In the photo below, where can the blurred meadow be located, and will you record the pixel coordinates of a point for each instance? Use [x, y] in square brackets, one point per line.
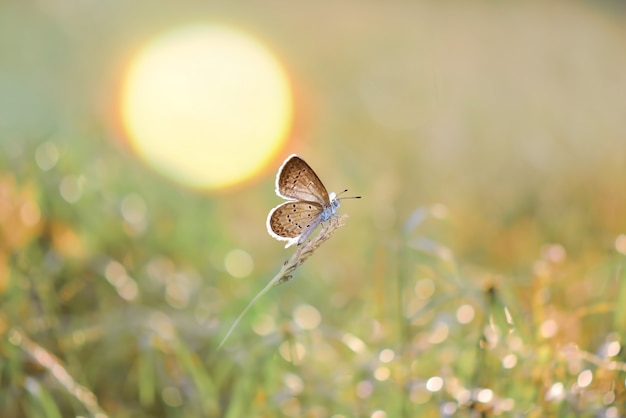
[480, 275]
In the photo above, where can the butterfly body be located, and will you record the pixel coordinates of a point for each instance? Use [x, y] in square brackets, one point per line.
[308, 203]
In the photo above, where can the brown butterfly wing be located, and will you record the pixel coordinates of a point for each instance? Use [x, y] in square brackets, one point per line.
[296, 180]
[292, 219]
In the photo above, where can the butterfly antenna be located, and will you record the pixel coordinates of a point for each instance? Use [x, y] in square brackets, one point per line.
[349, 197]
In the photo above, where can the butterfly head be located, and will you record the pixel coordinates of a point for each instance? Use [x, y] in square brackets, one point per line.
[331, 210]
[334, 202]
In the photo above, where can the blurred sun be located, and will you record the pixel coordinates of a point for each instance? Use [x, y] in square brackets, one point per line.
[208, 106]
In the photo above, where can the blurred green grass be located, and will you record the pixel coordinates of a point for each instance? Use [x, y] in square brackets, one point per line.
[481, 275]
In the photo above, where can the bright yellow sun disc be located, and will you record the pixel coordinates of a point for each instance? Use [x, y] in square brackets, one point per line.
[206, 105]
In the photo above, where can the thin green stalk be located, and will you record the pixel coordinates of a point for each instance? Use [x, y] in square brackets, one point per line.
[263, 291]
[289, 266]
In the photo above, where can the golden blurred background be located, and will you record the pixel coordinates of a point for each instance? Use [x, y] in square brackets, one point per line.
[138, 148]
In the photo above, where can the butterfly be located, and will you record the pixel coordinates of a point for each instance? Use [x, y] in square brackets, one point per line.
[309, 204]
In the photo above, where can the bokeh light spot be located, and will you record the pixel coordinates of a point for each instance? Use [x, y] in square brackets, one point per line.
[46, 155]
[264, 325]
[354, 343]
[206, 105]
[71, 188]
[620, 243]
[133, 209]
[178, 293]
[465, 314]
[509, 361]
[439, 334]
[434, 384]
[382, 373]
[424, 288]
[364, 389]
[307, 317]
[125, 286]
[584, 378]
[608, 398]
[448, 409]
[484, 395]
[291, 407]
[387, 355]
[556, 393]
[294, 383]
[555, 253]
[613, 348]
[162, 325]
[611, 412]
[548, 328]
[129, 290]
[292, 352]
[238, 263]
[115, 273]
